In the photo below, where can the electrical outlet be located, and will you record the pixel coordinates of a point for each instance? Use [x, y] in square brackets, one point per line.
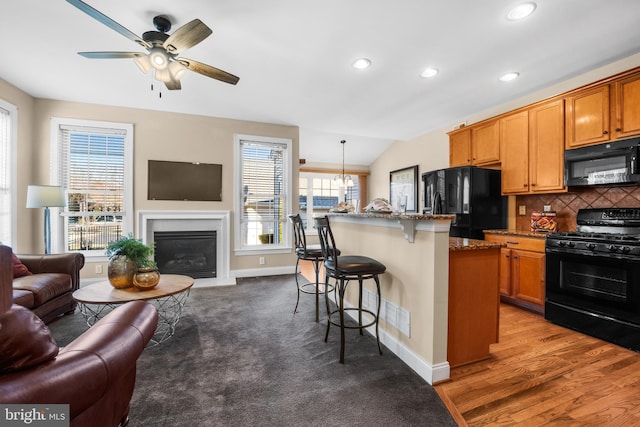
[522, 210]
[261, 260]
[546, 208]
[98, 268]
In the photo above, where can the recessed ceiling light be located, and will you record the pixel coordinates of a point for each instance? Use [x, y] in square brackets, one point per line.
[361, 63]
[509, 76]
[429, 72]
[521, 11]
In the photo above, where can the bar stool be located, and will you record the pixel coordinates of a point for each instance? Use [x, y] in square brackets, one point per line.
[311, 253]
[344, 268]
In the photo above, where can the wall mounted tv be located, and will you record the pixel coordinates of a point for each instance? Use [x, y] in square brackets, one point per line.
[184, 181]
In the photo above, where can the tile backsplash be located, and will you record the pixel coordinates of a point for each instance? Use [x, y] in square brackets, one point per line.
[566, 205]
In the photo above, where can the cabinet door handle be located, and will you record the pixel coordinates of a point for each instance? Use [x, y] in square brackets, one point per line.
[515, 257]
[618, 129]
[604, 132]
[507, 256]
[512, 243]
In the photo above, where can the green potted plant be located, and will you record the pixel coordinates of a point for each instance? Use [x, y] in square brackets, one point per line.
[127, 256]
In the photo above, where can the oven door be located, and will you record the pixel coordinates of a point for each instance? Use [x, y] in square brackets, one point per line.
[596, 294]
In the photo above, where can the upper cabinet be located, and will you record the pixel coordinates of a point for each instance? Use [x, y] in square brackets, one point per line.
[514, 134]
[546, 147]
[460, 148]
[604, 113]
[588, 117]
[477, 145]
[626, 117]
[528, 144]
[485, 143]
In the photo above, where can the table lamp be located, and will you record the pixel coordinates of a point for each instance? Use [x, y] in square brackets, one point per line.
[45, 196]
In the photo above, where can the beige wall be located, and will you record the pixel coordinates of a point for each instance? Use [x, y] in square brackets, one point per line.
[157, 136]
[25, 170]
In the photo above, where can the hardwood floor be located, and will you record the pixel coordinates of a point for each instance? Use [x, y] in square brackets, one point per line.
[543, 374]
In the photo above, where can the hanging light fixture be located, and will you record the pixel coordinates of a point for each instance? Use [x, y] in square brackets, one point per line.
[343, 180]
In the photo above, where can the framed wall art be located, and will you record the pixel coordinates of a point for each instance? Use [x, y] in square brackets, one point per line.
[403, 189]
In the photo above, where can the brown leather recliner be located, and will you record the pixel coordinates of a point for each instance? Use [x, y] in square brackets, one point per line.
[48, 290]
[95, 374]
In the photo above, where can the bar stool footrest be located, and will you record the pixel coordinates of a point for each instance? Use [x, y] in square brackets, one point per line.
[363, 310]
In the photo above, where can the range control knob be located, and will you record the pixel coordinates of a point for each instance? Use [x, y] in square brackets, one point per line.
[612, 248]
[591, 246]
[561, 243]
[626, 249]
[571, 244]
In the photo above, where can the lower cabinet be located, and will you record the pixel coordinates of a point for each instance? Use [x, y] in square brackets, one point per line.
[474, 304]
[522, 270]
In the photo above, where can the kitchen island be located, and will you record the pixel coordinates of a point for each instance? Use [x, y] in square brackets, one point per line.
[415, 304]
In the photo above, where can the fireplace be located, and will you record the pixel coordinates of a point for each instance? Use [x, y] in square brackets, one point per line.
[192, 253]
[151, 222]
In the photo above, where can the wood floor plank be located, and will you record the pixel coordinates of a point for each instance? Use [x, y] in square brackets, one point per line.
[544, 374]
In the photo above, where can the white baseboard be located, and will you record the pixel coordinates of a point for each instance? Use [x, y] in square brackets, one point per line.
[430, 373]
[268, 271]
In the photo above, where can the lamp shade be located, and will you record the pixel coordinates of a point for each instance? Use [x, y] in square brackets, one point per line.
[45, 196]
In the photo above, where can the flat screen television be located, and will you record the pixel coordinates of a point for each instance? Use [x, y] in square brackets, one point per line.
[184, 181]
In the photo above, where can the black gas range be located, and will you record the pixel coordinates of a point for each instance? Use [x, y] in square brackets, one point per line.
[593, 276]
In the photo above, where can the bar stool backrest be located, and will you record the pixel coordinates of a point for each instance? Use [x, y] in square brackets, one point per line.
[327, 243]
[298, 234]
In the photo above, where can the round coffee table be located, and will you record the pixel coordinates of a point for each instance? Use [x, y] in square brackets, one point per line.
[169, 297]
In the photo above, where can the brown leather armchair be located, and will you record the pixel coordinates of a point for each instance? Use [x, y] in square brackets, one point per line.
[95, 374]
[48, 290]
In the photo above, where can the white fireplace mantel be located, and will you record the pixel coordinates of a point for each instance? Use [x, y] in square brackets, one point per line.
[150, 221]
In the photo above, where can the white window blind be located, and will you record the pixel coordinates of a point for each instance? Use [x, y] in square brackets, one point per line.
[92, 172]
[264, 193]
[5, 177]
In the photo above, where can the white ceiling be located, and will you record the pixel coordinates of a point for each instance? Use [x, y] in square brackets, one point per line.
[294, 60]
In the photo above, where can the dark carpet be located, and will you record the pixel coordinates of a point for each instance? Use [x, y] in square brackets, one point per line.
[240, 357]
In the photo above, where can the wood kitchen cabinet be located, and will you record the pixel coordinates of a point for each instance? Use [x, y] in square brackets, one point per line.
[533, 152]
[460, 148]
[474, 302]
[626, 101]
[604, 113]
[477, 145]
[522, 270]
[588, 117]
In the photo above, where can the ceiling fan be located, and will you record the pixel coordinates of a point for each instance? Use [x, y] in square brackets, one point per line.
[163, 49]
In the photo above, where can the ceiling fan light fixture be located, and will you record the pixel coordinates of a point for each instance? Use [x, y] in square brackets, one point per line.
[177, 70]
[159, 58]
[163, 75]
[143, 62]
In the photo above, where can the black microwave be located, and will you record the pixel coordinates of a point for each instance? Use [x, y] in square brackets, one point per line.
[608, 163]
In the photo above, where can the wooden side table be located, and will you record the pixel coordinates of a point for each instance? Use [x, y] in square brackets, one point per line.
[169, 298]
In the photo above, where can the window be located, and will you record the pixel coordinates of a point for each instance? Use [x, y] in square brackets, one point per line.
[92, 161]
[319, 192]
[262, 194]
[8, 121]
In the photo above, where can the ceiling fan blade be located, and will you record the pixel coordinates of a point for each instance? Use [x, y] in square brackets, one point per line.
[173, 85]
[209, 71]
[110, 55]
[99, 16]
[187, 36]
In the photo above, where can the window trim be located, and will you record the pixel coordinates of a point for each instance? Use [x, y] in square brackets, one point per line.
[13, 171]
[57, 237]
[286, 245]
